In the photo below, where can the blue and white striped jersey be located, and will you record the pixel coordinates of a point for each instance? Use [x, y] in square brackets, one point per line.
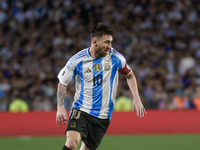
[96, 81]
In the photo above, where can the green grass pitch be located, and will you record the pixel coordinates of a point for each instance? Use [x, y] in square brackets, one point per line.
[136, 142]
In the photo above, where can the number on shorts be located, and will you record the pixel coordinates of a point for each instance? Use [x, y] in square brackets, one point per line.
[76, 114]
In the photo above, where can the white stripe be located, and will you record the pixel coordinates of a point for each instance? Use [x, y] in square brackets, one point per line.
[106, 89]
[88, 86]
[122, 59]
[115, 85]
[78, 88]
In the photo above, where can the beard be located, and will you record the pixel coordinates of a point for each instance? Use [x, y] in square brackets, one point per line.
[100, 52]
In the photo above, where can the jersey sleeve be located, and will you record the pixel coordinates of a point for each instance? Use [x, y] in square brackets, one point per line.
[66, 74]
[124, 68]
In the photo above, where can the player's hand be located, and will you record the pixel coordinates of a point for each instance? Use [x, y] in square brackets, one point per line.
[61, 115]
[138, 107]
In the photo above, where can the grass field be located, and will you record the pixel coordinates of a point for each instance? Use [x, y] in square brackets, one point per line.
[139, 142]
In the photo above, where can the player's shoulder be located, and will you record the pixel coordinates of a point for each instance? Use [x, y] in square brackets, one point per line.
[115, 53]
[78, 57]
[80, 54]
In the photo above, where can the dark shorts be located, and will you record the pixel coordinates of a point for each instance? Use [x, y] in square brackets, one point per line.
[92, 129]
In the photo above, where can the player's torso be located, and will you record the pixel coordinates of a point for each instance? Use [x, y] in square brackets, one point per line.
[96, 84]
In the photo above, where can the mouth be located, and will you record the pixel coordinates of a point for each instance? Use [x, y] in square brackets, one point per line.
[107, 50]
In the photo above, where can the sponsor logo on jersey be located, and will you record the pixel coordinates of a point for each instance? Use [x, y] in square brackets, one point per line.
[87, 70]
[97, 67]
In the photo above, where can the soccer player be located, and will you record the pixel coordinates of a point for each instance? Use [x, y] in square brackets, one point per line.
[95, 70]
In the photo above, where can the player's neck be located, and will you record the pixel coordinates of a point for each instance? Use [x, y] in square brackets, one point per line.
[93, 53]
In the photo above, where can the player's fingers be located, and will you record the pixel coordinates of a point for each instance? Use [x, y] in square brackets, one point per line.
[56, 121]
[64, 119]
[138, 113]
[59, 120]
[133, 108]
[143, 111]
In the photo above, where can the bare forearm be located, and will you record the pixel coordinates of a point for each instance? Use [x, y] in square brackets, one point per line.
[61, 94]
[137, 104]
[132, 83]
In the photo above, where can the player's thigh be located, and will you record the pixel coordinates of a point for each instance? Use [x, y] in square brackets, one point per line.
[84, 147]
[98, 129]
[73, 136]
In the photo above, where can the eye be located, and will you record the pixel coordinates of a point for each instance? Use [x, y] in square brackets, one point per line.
[106, 42]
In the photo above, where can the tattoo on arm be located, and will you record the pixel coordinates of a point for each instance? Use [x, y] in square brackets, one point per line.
[61, 94]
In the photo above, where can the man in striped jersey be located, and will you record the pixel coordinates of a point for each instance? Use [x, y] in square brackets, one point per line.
[95, 70]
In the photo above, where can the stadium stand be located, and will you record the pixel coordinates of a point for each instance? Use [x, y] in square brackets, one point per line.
[159, 38]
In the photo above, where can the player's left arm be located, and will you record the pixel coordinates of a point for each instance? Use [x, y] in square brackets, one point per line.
[137, 104]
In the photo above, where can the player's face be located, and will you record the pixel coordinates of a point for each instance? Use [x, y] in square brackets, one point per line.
[103, 45]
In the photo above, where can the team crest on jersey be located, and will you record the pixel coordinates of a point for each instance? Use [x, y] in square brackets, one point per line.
[97, 67]
[107, 67]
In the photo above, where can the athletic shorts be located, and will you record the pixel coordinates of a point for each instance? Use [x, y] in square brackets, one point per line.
[92, 129]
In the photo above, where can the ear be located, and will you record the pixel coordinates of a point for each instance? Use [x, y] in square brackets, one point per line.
[94, 41]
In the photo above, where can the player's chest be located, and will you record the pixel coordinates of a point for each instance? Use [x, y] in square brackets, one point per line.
[96, 69]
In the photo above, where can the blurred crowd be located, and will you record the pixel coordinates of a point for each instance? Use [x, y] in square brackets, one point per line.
[160, 40]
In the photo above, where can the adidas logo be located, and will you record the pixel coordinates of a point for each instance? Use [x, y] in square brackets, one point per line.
[87, 70]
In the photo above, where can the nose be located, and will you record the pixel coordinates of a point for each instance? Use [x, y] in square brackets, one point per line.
[109, 45]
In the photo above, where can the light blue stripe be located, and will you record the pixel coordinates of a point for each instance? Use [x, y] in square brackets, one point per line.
[97, 89]
[116, 52]
[116, 61]
[80, 54]
[79, 70]
[113, 73]
[88, 54]
[75, 57]
[119, 54]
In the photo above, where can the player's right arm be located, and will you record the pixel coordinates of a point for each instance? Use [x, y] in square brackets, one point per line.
[64, 76]
[61, 112]
[67, 73]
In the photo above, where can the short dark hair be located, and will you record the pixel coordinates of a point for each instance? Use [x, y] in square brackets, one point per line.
[99, 30]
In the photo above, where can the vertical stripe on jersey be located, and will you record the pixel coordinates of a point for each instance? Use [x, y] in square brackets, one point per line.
[87, 101]
[97, 88]
[105, 90]
[79, 70]
[112, 78]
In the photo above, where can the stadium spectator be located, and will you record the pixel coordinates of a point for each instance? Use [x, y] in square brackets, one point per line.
[18, 105]
[3, 103]
[196, 99]
[160, 40]
[123, 104]
[180, 102]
